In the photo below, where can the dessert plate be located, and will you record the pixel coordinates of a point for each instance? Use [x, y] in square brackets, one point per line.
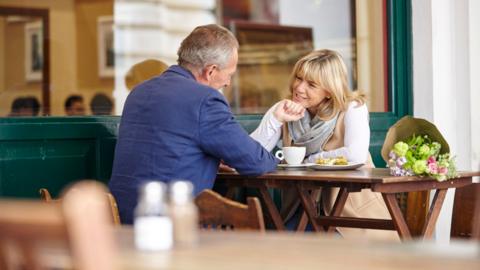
[288, 166]
[350, 166]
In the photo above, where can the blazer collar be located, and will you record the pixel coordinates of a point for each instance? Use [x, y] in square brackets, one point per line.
[182, 71]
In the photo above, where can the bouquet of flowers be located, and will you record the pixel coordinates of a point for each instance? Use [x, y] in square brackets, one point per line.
[419, 155]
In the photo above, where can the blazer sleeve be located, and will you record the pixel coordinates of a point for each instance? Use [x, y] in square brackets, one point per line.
[221, 136]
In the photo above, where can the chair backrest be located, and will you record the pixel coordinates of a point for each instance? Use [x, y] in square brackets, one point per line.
[466, 212]
[22, 225]
[217, 212]
[47, 197]
[29, 230]
[476, 215]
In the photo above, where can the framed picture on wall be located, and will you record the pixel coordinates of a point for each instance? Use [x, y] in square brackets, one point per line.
[106, 53]
[33, 51]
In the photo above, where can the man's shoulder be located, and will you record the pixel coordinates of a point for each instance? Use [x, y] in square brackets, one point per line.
[175, 83]
[178, 78]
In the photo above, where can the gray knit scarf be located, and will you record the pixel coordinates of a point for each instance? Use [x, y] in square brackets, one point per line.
[311, 133]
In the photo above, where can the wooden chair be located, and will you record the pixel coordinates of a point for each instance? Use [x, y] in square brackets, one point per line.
[29, 231]
[22, 225]
[476, 216]
[466, 212]
[47, 197]
[217, 212]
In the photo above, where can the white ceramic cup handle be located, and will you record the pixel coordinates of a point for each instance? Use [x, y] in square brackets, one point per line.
[279, 155]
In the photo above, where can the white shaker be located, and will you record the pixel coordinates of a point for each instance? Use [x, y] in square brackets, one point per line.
[184, 213]
[153, 225]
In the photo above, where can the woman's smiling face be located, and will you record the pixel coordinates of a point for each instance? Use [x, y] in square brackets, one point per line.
[307, 93]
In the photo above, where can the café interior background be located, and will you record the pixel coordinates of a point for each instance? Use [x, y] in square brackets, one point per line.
[93, 43]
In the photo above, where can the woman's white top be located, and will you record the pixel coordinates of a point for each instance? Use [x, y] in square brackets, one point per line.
[356, 137]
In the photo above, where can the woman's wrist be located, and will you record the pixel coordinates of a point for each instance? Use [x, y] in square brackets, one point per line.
[277, 113]
[276, 122]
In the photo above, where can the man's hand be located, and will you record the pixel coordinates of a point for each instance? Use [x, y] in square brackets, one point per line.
[287, 111]
[225, 168]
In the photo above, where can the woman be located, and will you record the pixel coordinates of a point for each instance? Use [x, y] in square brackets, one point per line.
[330, 121]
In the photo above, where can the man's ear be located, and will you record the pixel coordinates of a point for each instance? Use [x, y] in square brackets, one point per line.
[208, 72]
[204, 76]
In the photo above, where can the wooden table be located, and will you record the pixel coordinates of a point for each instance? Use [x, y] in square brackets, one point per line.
[307, 181]
[276, 250]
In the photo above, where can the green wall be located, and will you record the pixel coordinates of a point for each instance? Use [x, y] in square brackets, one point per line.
[54, 151]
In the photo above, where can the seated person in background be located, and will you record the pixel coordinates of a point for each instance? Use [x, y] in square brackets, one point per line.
[101, 104]
[74, 105]
[179, 126]
[143, 71]
[25, 106]
[334, 123]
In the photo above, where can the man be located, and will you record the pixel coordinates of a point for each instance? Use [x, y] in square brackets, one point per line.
[25, 106]
[101, 104]
[74, 106]
[179, 126]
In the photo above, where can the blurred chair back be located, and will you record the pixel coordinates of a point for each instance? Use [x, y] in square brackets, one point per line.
[24, 224]
[217, 212]
[30, 231]
[47, 197]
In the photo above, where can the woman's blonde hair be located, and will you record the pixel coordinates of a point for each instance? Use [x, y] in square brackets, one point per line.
[325, 69]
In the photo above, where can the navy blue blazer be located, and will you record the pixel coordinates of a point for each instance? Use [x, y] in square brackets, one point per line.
[173, 128]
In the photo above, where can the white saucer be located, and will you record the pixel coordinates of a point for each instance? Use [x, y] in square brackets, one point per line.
[350, 166]
[288, 166]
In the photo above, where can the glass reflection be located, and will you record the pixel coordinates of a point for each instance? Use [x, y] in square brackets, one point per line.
[93, 45]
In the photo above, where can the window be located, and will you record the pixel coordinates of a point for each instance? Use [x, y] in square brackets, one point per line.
[78, 40]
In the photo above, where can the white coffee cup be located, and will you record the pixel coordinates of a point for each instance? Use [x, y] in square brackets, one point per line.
[294, 155]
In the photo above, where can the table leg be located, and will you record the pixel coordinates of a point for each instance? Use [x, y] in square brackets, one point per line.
[302, 225]
[434, 212]
[397, 216]
[309, 207]
[338, 206]
[271, 208]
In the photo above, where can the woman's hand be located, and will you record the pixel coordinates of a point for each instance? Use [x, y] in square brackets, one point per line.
[287, 111]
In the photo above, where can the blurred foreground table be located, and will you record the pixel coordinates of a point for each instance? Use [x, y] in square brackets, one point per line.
[279, 250]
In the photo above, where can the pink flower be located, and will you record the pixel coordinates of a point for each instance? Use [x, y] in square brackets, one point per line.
[443, 170]
[431, 159]
[401, 161]
[433, 168]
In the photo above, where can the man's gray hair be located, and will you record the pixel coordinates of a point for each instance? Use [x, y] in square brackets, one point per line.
[206, 45]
